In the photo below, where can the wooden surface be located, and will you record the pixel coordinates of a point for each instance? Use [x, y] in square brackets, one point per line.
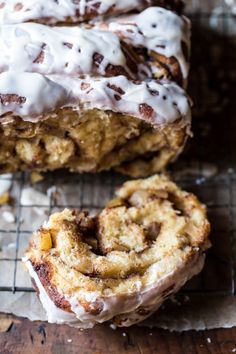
[22, 336]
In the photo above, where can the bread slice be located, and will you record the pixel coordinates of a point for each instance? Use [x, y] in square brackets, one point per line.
[122, 264]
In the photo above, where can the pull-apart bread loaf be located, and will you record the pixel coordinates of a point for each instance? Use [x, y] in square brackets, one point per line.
[92, 97]
[90, 124]
[72, 11]
[122, 264]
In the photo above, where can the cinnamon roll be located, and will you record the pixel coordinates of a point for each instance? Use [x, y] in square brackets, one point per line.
[122, 264]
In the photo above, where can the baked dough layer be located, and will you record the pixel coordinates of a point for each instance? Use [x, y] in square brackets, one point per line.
[89, 141]
[122, 264]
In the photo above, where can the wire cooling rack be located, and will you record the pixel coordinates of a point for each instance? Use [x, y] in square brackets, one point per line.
[206, 168]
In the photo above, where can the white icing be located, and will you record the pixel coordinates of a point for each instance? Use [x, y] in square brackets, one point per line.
[5, 183]
[158, 30]
[99, 95]
[39, 94]
[149, 296]
[52, 11]
[64, 50]
[30, 196]
[35, 199]
[70, 50]
[8, 216]
[54, 314]
[166, 101]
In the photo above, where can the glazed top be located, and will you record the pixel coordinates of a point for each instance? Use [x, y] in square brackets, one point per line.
[45, 68]
[53, 11]
[159, 30]
[76, 51]
[33, 96]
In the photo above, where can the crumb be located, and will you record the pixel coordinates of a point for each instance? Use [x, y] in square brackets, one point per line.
[69, 340]
[11, 245]
[150, 334]
[208, 340]
[8, 216]
[186, 298]
[207, 170]
[36, 177]
[113, 326]
[232, 5]
[5, 198]
[51, 190]
[36, 199]
[124, 334]
[200, 180]
[5, 186]
[52, 193]
[31, 196]
[5, 183]
[234, 350]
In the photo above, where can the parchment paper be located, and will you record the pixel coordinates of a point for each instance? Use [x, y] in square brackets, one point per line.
[199, 313]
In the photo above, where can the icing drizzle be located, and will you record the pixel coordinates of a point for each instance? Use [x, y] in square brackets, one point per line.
[71, 50]
[62, 53]
[31, 95]
[62, 50]
[149, 296]
[158, 30]
[51, 11]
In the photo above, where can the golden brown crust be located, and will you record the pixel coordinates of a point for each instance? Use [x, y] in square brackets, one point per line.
[44, 271]
[169, 68]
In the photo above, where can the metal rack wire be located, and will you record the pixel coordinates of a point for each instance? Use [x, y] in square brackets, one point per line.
[212, 83]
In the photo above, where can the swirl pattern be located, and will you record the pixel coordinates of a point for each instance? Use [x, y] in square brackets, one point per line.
[122, 264]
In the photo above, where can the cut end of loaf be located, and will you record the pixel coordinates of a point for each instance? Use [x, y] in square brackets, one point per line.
[123, 263]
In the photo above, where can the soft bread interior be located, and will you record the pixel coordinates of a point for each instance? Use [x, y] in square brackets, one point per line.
[91, 140]
[151, 238]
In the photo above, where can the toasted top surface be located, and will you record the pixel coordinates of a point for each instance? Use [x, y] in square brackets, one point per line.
[152, 229]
